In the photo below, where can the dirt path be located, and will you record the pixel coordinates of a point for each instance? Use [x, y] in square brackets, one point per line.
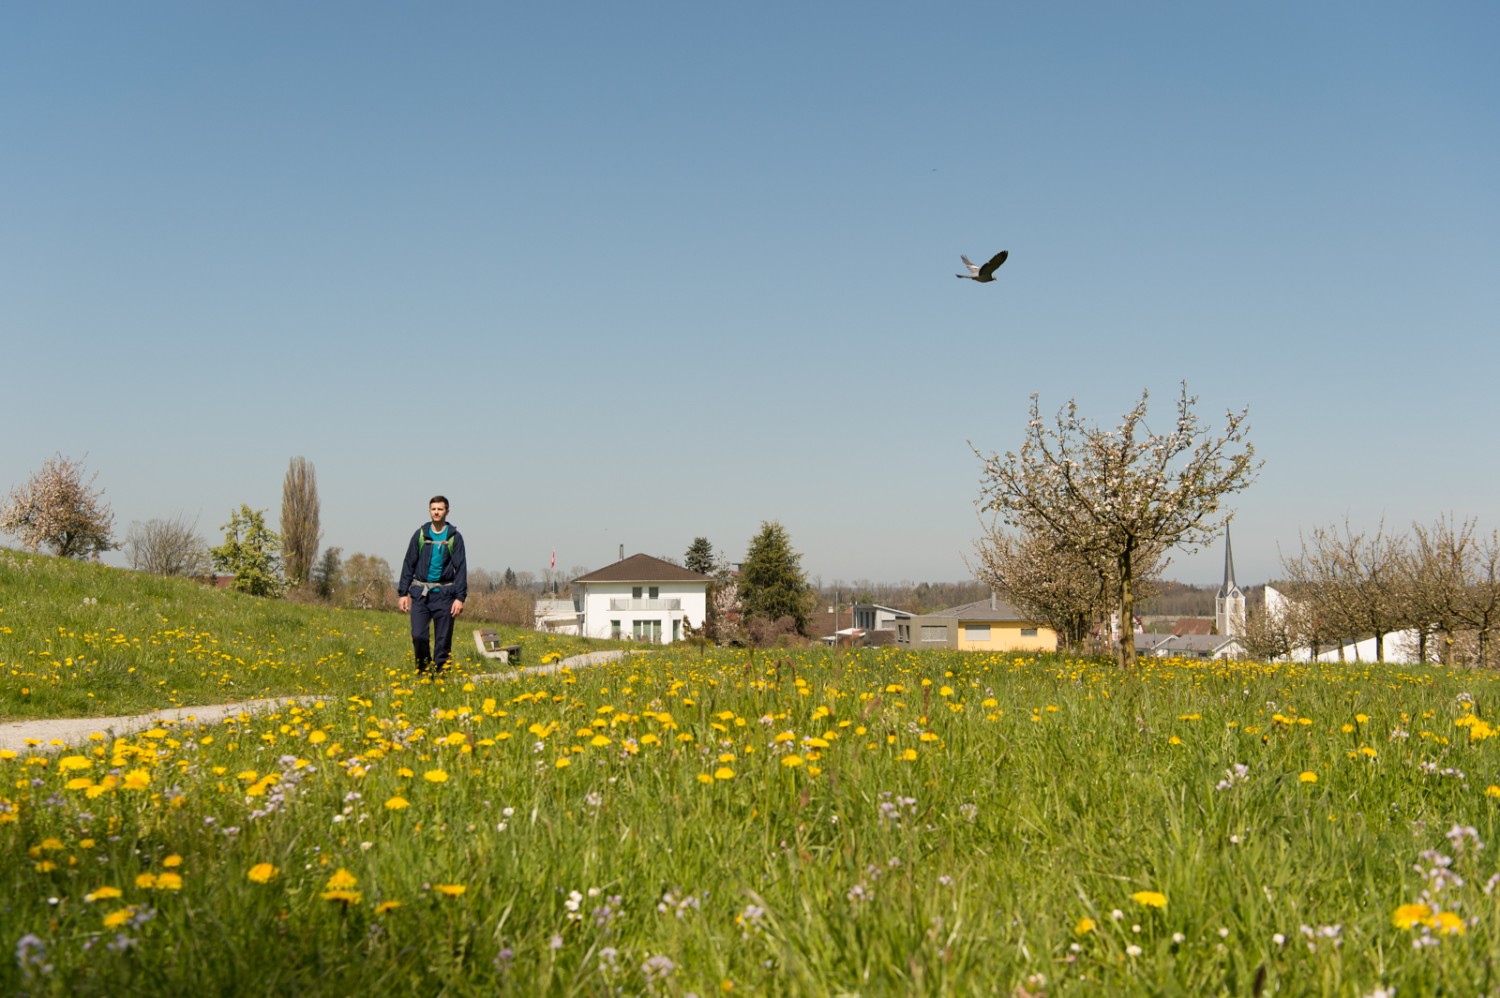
[53, 733]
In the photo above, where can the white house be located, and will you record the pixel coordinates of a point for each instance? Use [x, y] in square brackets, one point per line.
[556, 616]
[643, 598]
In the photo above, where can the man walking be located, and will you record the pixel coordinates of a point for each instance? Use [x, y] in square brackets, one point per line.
[434, 585]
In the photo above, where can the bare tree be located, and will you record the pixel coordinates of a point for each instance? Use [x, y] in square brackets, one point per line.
[300, 528]
[58, 509]
[167, 547]
[1352, 583]
[1434, 570]
[1478, 604]
[368, 582]
[1270, 633]
[1111, 497]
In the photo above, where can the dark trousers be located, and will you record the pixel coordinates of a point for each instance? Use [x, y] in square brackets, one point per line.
[435, 608]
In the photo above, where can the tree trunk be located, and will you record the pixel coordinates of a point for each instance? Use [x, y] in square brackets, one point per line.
[1127, 608]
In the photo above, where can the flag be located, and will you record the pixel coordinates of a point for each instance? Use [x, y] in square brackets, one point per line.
[554, 559]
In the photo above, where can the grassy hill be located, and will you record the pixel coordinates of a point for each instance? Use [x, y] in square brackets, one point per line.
[87, 640]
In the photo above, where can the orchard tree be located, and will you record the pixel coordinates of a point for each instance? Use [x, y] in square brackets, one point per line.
[1049, 583]
[57, 509]
[699, 557]
[251, 553]
[300, 527]
[1353, 582]
[166, 547]
[771, 583]
[1114, 497]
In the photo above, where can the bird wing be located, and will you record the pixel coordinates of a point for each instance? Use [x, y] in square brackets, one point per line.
[995, 262]
[968, 263]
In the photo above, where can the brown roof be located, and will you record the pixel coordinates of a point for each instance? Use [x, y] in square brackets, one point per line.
[643, 568]
[1193, 625]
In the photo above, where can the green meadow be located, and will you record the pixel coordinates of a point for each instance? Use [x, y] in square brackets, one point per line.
[691, 821]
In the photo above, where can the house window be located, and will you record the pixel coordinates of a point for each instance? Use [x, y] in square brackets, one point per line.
[614, 628]
[676, 630]
[935, 633]
[635, 592]
[1028, 632]
[976, 632]
[646, 630]
[654, 592]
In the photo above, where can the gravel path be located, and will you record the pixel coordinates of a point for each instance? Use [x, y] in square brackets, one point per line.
[53, 733]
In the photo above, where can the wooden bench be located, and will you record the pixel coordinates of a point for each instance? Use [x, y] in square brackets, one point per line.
[488, 643]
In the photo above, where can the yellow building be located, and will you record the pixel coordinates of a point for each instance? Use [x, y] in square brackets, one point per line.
[988, 625]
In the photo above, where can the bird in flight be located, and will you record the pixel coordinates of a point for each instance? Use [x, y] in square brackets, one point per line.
[986, 273]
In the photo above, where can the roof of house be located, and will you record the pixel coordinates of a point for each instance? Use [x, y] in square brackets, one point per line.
[994, 608]
[643, 568]
[1193, 625]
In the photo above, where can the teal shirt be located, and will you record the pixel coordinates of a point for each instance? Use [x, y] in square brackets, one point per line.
[435, 570]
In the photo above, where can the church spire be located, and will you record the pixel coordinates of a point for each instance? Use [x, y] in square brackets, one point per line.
[1229, 583]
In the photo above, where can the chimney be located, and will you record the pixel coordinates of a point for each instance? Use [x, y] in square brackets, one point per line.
[622, 552]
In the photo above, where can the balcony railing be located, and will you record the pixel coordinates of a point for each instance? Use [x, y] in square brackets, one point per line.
[645, 604]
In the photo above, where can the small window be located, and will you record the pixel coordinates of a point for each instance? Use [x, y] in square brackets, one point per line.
[976, 632]
[935, 633]
[1028, 632]
[614, 628]
[635, 592]
[655, 592]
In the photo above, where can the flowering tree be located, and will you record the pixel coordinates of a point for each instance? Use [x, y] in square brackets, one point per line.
[1050, 584]
[58, 509]
[1115, 497]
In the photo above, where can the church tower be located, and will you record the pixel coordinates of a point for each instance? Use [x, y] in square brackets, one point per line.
[1229, 604]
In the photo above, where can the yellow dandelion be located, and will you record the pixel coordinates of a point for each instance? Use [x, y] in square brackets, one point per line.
[397, 803]
[910, 755]
[103, 894]
[1084, 927]
[791, 761]
[599, 741]
[169, 882]
[119, 917]
[450, 890]
[72, 762]
[386, 906]
[1448, 923]
[1492, 791]
[723, 773]
[1151, 899]
[262, 873]
[172, 862]
[1409, 916]
[137, 779]
[145, 881]
[435, 776]
[564, 762]
[705, 778]
[348, 897]
[341, 880]
[1308, 776]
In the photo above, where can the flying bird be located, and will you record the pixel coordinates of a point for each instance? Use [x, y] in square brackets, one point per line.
[986, 273]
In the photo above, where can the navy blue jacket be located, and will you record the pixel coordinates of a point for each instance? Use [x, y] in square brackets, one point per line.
[418, 561]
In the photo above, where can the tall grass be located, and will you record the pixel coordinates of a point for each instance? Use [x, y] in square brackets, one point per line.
[876, 823]
[85, 640]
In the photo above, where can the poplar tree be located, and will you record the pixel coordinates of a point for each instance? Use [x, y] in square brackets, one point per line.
[301, 529]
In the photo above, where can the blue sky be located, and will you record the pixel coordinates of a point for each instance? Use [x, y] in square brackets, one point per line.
[628, 274]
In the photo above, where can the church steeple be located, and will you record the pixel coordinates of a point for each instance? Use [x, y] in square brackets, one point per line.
[1229, 583]
[1229, 604]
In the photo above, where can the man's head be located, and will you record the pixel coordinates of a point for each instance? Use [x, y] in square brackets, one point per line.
[437, 508]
